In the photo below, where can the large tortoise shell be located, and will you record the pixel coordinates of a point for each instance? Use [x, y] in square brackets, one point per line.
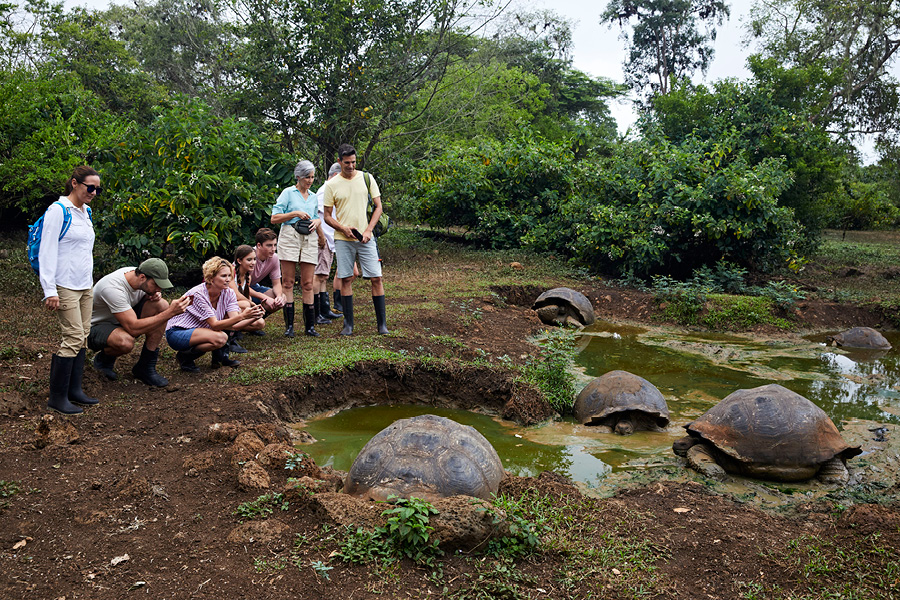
[620, 391]
[429, 457]
[771, 426]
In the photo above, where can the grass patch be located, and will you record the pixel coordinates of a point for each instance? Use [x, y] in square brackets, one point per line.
[727, 312]
[309, 356]
[864, 570]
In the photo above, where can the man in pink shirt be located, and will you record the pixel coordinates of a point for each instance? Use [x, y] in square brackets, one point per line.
[267, 265]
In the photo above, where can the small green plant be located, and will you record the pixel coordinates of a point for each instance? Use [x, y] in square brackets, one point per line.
[262, 506]
[681, 301]
[361, 546]
[295, 460]
[8, 489]
[407, 528]
[551, 370]
[321, 569]
[782, 293]
[269, 565]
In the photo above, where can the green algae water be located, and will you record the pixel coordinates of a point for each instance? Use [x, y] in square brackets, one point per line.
[693, 371]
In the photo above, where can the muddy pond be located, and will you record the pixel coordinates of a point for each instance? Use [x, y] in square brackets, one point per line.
[857, 389]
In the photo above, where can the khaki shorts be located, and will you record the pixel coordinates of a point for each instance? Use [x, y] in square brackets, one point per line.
[326, 257]
[294, 247]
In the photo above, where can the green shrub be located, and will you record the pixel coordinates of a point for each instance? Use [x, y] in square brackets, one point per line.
[551, 370]
[189, 185]
[658, 207]
[49, 124]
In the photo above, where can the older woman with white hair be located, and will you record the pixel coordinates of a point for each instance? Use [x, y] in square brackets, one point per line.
[297, 211]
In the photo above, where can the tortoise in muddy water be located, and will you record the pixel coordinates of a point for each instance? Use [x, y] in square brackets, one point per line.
[861, 337]
[564, 306]
[623, 402]
[428, 457]
[767, 432]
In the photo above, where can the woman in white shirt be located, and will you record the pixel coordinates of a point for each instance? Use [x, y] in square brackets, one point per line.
[66, 259]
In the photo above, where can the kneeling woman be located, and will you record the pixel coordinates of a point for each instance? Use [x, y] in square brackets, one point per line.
[213, 309]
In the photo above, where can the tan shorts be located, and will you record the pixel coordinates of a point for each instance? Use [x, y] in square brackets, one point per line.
[294, 247]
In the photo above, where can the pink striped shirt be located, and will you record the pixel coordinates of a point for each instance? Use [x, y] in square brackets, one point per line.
[202, 309]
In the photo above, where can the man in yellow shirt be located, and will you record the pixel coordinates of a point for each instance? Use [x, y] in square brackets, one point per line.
[346, 198]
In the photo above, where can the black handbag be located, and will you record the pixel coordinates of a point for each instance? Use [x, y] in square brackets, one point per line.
[302, 226]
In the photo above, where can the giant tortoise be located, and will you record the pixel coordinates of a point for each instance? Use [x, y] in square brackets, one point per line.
[768, 432]
[564, 306]
[623, 402]
[861, 337]
[428, 457]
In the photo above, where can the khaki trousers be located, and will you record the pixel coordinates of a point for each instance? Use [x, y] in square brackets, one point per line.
[74, 314]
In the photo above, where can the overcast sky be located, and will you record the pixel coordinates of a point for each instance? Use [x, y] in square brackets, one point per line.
[600, 51]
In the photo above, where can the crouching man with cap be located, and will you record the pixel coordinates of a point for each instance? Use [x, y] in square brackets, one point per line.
[128, 303]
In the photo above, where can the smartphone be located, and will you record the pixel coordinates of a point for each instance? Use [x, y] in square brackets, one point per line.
[356, 233]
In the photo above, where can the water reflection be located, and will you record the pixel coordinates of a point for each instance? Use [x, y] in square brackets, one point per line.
[340, 438]
[693, 371]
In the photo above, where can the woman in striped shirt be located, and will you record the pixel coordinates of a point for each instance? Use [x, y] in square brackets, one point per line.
[213, 309]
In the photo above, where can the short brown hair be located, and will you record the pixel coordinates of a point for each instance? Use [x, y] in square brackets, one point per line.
[264, 234]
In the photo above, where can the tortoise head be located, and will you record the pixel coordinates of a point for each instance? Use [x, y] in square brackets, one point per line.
[625, 426]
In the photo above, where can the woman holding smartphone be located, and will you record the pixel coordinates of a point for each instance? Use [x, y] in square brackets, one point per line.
[213, 311]
[297, 211]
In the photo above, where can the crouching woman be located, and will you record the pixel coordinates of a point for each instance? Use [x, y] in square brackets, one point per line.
[213, 310]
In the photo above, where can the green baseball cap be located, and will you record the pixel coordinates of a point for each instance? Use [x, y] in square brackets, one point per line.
[157, 270]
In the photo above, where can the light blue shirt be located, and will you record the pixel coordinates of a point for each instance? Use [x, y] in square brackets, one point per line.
[291, 199]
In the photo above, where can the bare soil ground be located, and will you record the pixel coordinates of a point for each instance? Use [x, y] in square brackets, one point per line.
[137, 496]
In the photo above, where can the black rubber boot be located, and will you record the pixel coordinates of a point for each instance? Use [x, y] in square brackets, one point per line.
[317, 307]
[145, 368]
[76, 394]
[220, 357]
[325, 308]
[104, 364]
[60, 372]
[233, 346]
[289, 320]
[348, 315]
[338, 302]
[309, 320]
[380, 315]
[186, 360]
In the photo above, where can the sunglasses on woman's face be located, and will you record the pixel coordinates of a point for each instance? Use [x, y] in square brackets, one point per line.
[91, 188]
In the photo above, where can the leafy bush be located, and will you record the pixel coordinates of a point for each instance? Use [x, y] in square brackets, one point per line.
[661, 208]
[498, 191]
[408, 531]
[189, 185]
[782, 293]
[551, 370]
[49, 124]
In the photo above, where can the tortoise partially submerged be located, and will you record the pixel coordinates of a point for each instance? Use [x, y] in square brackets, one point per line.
[768, 432]
[428, 457]
[861, 337]
[564, 306]
[623, 402]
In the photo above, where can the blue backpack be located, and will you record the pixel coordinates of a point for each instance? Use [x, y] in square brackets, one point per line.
[33, 247]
